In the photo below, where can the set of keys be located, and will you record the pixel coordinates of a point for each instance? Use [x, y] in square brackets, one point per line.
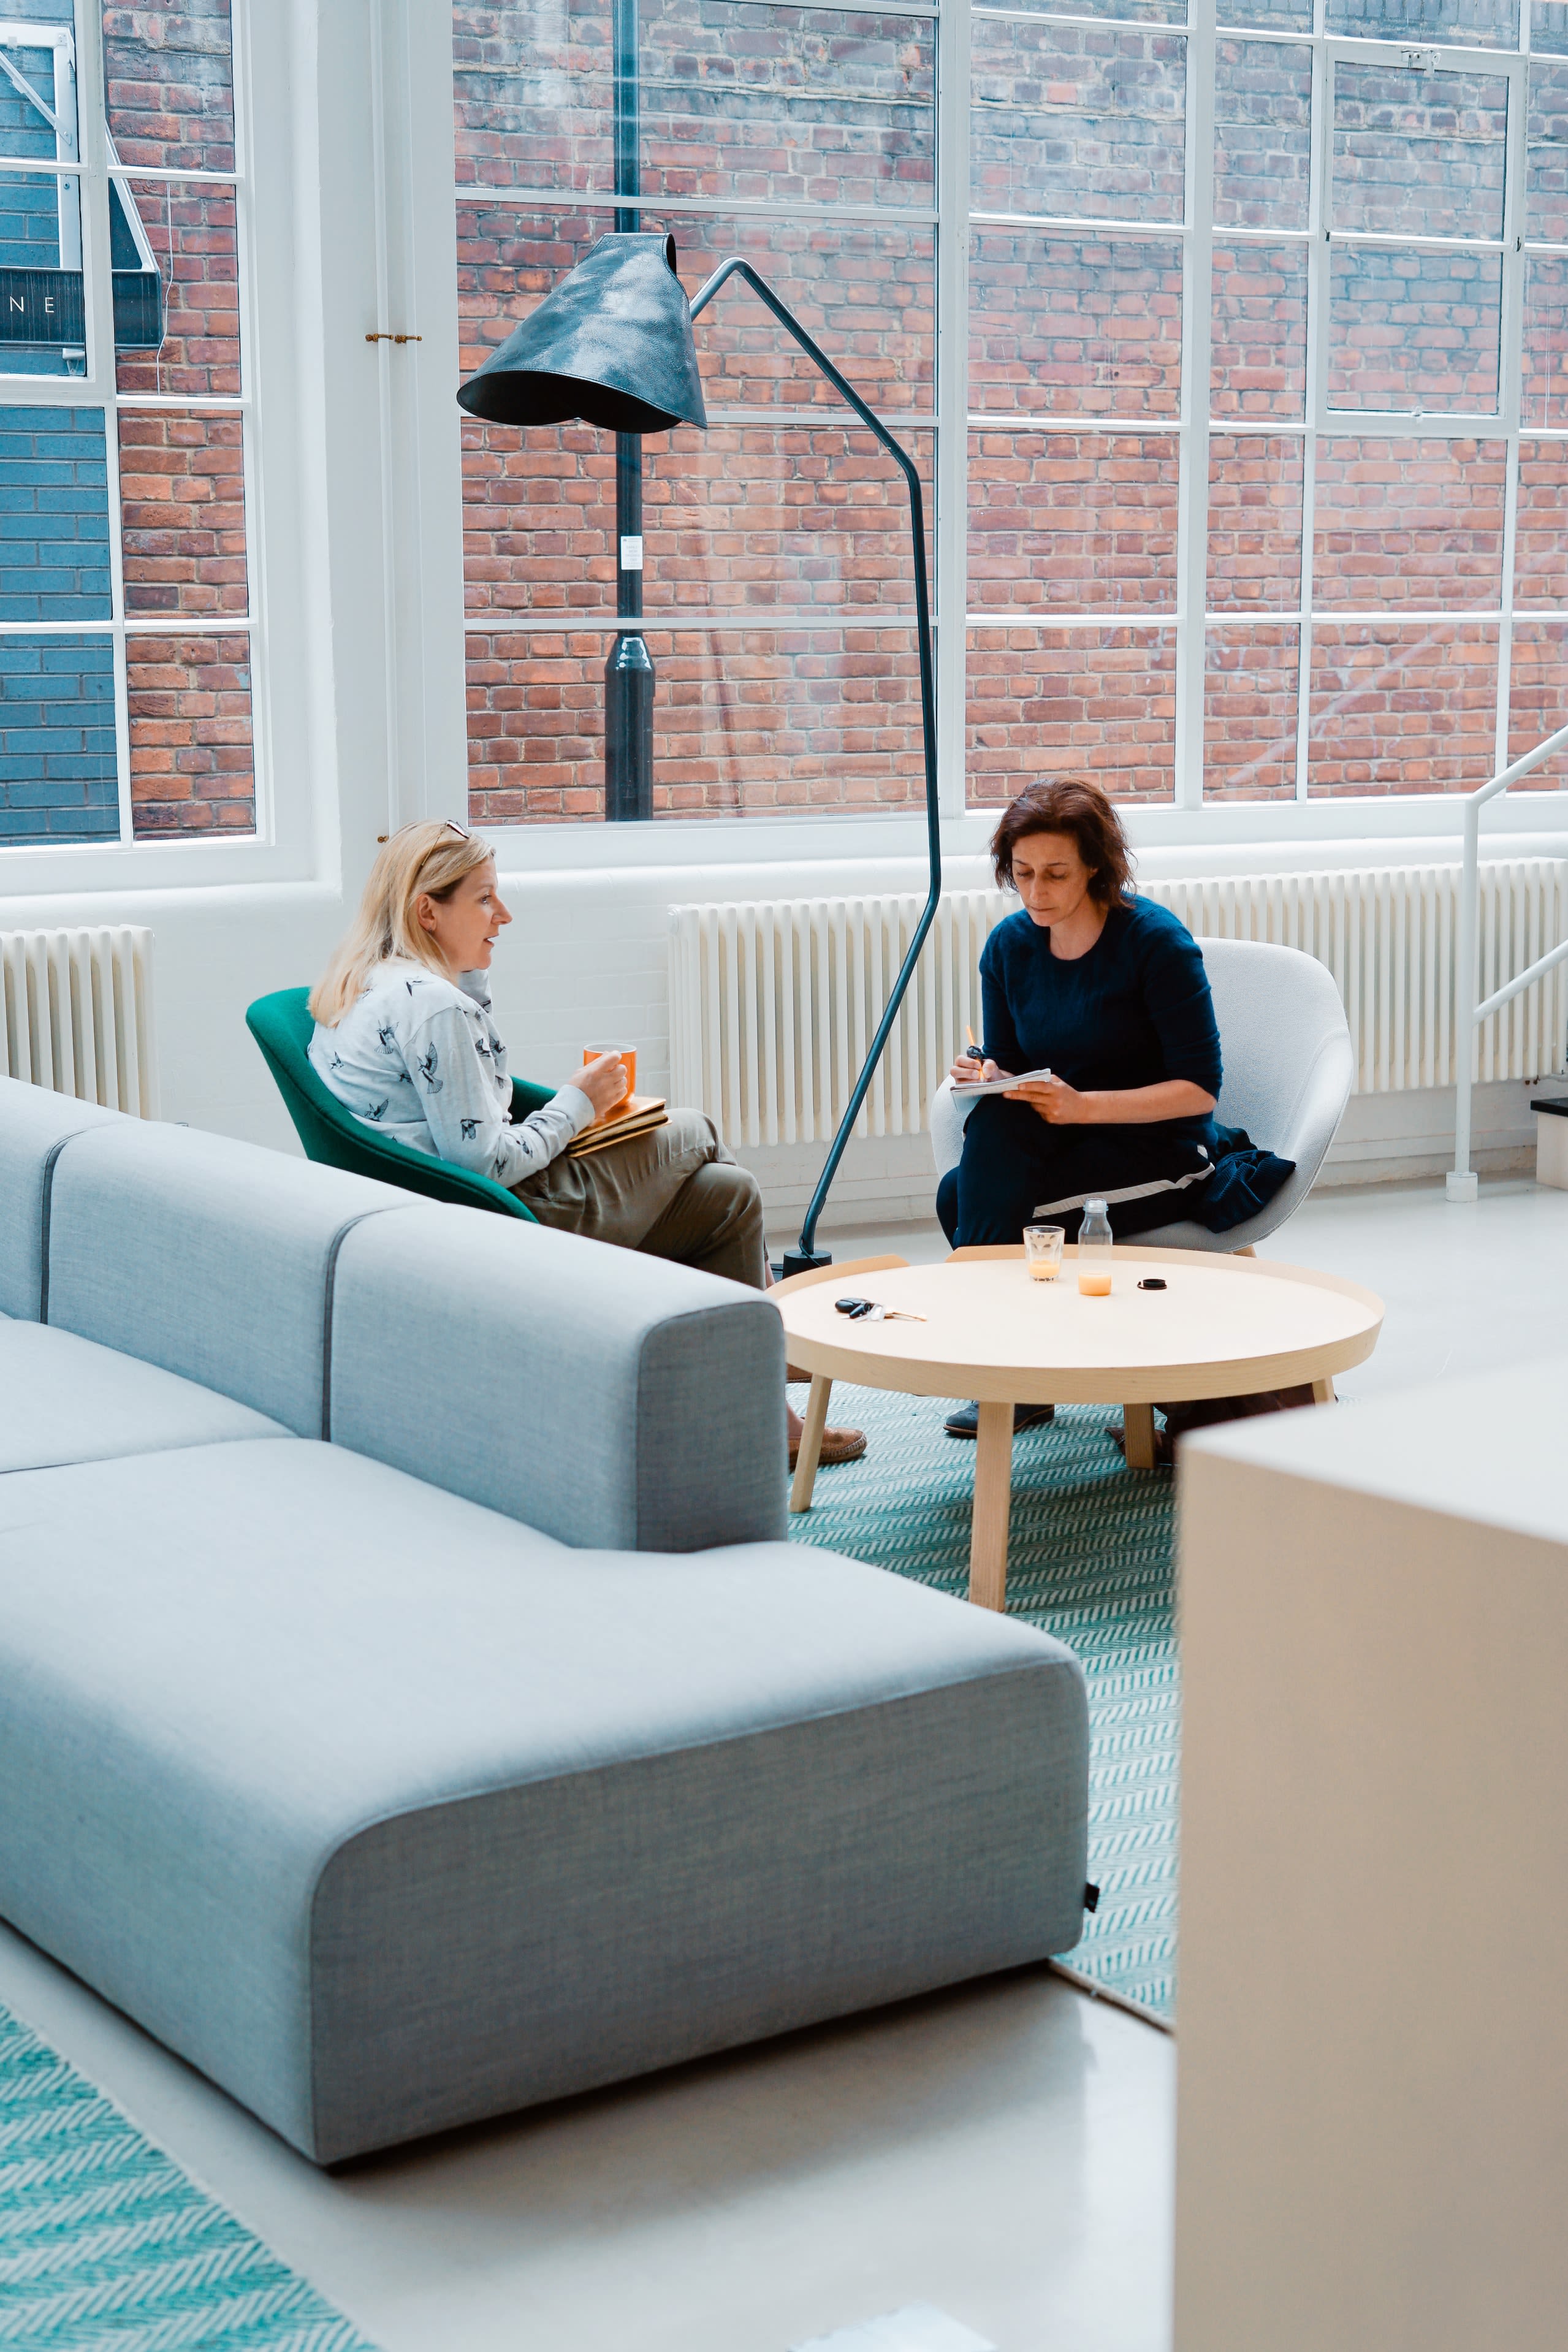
[868, 1310]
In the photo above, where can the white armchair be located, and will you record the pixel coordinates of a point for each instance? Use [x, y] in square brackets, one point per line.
[1288, 1071]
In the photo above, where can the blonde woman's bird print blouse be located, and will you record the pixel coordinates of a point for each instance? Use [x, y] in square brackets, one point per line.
[419, 1058]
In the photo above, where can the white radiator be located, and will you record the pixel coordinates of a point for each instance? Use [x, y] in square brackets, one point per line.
[76, 1014]
[773, 1003]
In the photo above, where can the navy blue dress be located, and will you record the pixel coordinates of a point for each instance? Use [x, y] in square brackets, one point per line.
[1133, 1011]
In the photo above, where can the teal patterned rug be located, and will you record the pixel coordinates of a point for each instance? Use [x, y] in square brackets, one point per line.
[1090, 1559]
[106, 2246]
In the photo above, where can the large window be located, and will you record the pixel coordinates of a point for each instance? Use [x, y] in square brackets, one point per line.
[125, 701]
[1236, 353]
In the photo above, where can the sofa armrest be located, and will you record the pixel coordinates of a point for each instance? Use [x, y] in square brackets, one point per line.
[527, 1098]
[611, 1399]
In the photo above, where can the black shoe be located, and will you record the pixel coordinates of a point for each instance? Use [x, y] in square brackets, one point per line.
[964, 1419]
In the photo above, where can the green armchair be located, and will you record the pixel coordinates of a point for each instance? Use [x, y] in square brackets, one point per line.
[281, 1025]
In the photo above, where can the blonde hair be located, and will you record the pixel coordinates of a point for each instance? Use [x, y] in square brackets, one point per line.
[428, 858]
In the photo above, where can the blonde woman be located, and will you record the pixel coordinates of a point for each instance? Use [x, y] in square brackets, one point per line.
[405, 1039]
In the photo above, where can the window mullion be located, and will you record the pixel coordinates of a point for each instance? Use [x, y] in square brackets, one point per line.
[98, 291]
[1318, 292]
[951, 453]
[1511, 361]
[1193, 478]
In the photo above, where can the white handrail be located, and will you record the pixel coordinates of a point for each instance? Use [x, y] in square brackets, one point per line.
[1463, 1184]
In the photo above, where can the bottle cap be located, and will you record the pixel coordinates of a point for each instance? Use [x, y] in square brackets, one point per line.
[1091, 1206]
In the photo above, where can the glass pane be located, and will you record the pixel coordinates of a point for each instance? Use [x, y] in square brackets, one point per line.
[1544, 390]
[1469, 23]
[1258, 353]
[1541, 543]
[1142, 12]
[1402, 709]
[1419, 154]
[1417, 523]
[1102, 700]
[740, 518]
[182, 503]
[57, 776]
[1070, 121]
[53, 515]
[1255, 522]
[1281, 16]
[1263, 134]
[1549, 25]
[1547, 147]
[43, 329]
[797, 105]
[1250, 682]
[755, 721]
[193, 761]
[1087, 326]
[176, 320]
[1414, 330]
[1537, 695]
[38, 42]
[169, 70]
[864, 289]
[1078, 521]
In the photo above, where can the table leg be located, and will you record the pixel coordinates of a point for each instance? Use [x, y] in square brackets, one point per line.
[1323, 1393]
[1138, 1435]
[993, 1507]
[807, 1459]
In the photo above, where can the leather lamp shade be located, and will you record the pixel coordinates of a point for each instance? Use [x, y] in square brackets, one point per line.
[612, 344]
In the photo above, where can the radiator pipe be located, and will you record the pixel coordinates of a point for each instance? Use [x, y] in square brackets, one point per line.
[804, 1258]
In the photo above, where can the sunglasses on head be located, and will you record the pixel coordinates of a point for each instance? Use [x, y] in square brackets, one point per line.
[450, 823]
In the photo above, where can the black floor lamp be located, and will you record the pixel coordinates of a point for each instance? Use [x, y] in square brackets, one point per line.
[612, 344]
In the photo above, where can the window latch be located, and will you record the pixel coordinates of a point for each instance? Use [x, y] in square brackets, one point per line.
[394, 339]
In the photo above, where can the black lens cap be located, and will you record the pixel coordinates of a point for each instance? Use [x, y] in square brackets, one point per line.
[1152, 1281]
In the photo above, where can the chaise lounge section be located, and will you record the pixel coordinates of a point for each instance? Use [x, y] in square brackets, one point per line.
[408, 1710]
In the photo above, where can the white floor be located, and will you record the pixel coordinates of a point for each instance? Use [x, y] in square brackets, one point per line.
[1003, 2152]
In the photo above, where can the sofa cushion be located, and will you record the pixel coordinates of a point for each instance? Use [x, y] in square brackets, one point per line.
[68, 1399]
[33, 1124]
[390, 1814]
[210, 1257]
[609, 1398]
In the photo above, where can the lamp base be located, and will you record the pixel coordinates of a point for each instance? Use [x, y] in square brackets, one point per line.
[793, 1263]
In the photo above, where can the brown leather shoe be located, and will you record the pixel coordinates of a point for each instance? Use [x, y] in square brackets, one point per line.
[838, 1445]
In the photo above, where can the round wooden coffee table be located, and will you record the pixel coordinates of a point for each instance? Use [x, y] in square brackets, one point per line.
[1223, 1326]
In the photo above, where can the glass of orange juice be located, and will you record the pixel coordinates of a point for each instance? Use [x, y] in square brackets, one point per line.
[1043, 1251]
[628, 1055]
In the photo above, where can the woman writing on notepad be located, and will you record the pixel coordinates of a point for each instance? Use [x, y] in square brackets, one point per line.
[404, 1038]
[1106, 993]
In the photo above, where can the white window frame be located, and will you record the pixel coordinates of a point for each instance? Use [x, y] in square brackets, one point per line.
[1187, 818]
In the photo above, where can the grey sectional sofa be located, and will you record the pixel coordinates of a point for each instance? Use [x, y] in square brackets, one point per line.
[408, 1707]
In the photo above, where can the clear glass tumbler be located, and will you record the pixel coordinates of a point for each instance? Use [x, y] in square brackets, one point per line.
[1043, 1251]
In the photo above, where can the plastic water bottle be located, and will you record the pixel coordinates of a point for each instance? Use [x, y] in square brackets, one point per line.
[1094, 1247]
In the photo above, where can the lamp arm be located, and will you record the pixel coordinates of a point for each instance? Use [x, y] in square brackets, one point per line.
[735, 267]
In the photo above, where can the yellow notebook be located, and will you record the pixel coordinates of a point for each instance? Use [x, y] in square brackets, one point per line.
[639, 1114]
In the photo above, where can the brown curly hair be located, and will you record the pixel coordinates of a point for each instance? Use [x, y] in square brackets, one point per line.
[1073, 805]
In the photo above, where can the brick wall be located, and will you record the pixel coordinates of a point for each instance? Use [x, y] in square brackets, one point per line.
[53, 515]
[192, 747]
[58, 773]
[171, 105]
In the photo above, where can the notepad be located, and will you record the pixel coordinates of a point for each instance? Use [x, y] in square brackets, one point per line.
[639, 1114]
[965, 1090]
